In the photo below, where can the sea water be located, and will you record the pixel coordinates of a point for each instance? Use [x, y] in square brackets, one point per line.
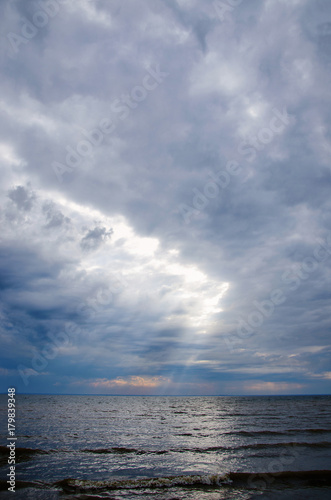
[129, 447]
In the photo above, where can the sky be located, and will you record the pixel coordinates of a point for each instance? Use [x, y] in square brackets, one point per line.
[165, 197]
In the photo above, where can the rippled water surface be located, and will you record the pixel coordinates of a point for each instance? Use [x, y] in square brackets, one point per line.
[171, 447]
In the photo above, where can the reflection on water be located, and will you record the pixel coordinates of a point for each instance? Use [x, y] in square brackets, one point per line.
[130, 438]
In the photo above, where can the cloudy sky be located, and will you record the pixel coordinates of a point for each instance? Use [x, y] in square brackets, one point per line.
[165, 196]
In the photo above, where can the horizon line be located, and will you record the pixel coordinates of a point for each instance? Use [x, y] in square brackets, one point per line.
[163, 395]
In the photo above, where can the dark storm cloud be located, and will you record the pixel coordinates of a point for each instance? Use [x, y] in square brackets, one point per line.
[54, 217]
[22, 198]
[145, 104]
[94, 238]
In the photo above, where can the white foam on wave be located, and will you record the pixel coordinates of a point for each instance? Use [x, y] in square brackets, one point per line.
[158, 482]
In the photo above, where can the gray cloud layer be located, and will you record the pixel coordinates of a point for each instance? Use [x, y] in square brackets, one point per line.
[165, 196]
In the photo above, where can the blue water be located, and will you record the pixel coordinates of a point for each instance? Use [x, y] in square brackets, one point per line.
[202, 443]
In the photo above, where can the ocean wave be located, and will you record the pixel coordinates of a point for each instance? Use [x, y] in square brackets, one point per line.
[231, 479]
[278, 433]
[24, 454]
[246, 480]
[69, 484]
[21, 452]
[24, 484]
[117, 450]
[320, 444]
[123, 450]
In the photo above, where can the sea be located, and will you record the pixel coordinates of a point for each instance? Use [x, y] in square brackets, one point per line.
[169, 448]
